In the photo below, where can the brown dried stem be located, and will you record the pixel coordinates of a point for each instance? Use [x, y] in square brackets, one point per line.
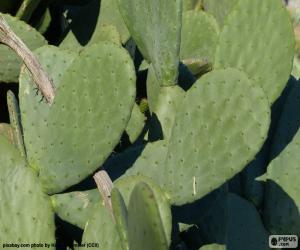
[105, 187]
[39, 76]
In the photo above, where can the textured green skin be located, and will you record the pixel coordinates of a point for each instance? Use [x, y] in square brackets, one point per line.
[110, 14]
[126, 186]
[242, 44]
[34, 112]
[7, 131]
[282, 200]
[151, 161]
[159, 39]
[15, 121]
[153, 88]
[245, 229]
[75, 207]
[136, 123]
[213, 247]
[145, 227]
[26, 9]
[189, 4]
[85, 101]
[26, 215]
[236, 135]
[120, 215]
[10, 63]
[199, 36]
[101, 229]
[164, 113]
[219, 9]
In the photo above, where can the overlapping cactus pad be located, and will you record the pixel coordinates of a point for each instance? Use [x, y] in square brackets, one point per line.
[149, 124]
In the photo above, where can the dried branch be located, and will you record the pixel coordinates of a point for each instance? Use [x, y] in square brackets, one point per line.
[105, 187]
[39, 76]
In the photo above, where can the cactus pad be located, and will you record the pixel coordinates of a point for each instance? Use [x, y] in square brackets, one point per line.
[76, 207]
[225, 105]
[248, 34]
[159, 39]
[25, 211]
[10, 63]
[199, 36]
[72, 129]
[145, 226]
[282, 200]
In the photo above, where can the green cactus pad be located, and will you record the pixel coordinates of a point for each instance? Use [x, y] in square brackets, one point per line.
[136, 123]
[15, 121]
[213, 247]
[120, 215]
[145, 227]
[34, 111]
[150, 161]
[245, 229]
[225, 105]
[76, 207]
[164, 112]
[101, 229]
[219, 8]
[126, 185]
[155, 26]
[282, 200]
[110, 15]
[7, 131]
[190, 4]
[248, 34]
[10, 63]
[25, 211]
[199, 36]
[153, 88]
[86, 107]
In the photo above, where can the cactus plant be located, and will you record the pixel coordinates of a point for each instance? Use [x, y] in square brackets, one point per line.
[138, 120]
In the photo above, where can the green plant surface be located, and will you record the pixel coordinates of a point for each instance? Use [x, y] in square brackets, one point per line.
[76, 207]
[110, 15]
[242, 44]
[10, 63]
[25, 211]
[234, 112]
[282, 200]
[101, 229]
[74, 139]
[136, 123]
[155, 26]
[6, 131]
[15, 122]
[145, 227]
[199, 37]
[219, 9]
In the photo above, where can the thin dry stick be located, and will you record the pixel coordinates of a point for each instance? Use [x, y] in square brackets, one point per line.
[39, 76]
[105, 187]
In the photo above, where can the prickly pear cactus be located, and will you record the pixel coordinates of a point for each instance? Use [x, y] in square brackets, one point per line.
[25, 211]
